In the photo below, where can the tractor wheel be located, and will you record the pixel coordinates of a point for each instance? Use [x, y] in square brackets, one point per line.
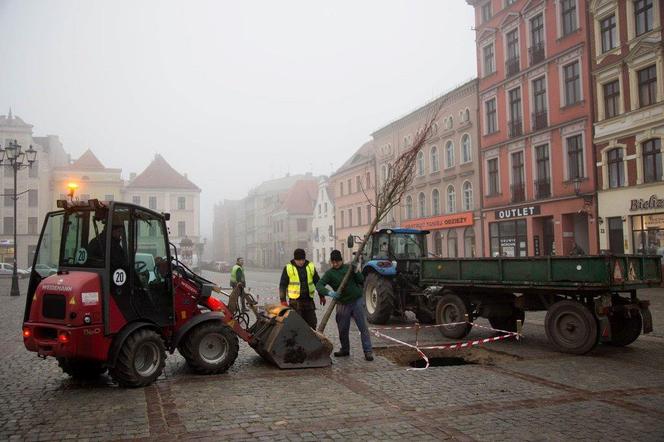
[452, 308]
[378, 299]
[508, 323]
[141, 359]
[82, 368]
[625, 330]
[571, 327]
[210, 348]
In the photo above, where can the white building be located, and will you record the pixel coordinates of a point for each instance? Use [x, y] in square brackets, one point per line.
[322, 226]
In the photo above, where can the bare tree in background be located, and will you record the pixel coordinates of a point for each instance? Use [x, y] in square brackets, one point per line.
[388, 196]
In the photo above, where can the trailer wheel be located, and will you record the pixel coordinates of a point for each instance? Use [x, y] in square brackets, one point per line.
[571, 327]
[625, 330]
[378, 299]
[210, 348]
[81, 368]
[452, 308]
[508, 323]
[141, 359]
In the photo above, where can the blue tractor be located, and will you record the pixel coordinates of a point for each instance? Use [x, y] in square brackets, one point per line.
[389, 264]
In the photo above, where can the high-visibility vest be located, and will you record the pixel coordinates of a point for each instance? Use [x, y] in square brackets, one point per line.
[234, 273]
[294, 280]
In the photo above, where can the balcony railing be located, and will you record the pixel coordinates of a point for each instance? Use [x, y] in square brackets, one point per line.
[536, 53]
[518, 192]
[540, 120]
[512, 66]
[543, 188]
[515, 128]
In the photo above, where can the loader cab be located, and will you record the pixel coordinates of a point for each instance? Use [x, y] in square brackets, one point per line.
[125, 245]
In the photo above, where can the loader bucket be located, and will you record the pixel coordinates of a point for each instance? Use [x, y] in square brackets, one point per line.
[285, 339]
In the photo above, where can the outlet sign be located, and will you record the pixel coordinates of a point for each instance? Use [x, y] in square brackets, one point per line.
[518, 212]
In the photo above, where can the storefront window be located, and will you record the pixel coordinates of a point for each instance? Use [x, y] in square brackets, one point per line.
[508, 238]
[452, 244]
[469, 242]
[648, 231]
[437, 243]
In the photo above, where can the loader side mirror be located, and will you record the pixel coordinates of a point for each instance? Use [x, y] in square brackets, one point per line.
[350, 241]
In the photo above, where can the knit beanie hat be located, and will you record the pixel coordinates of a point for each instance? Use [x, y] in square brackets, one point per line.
[335, 255]
[299, 254]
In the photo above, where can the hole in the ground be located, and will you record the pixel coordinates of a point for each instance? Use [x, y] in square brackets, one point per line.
[439, 362]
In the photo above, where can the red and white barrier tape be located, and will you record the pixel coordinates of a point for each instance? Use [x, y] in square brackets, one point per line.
[453, 346]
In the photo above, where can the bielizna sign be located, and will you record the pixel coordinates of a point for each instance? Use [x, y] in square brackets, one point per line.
[651, 203]
[518, 212]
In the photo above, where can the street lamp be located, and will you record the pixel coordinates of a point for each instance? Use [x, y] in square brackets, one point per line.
[13, 157]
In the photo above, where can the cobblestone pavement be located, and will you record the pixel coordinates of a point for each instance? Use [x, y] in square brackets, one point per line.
[516, 390]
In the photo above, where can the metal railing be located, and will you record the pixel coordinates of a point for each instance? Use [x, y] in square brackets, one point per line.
[515, 128]
[512, 66]
[540, 120]
[536, 53]
[543, 188]
[518, 192]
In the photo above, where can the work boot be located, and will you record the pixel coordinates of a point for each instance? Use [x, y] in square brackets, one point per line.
[341, 354]
[368, 356]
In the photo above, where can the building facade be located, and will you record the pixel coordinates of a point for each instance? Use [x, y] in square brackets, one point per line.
[33, 187]
[535, 101]
[322, 226]
[443, 197]
[353, 189]
[224, 231]
[628, 72]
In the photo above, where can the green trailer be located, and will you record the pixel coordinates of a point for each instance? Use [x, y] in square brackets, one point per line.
[588, 299]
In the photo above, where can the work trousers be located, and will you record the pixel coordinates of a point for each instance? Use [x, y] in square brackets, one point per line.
[355, 310]
[306, 309]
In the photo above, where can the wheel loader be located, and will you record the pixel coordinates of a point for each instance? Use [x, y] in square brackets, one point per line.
[121, 299]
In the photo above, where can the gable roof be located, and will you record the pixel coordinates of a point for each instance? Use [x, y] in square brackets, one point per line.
[364, 153]
[301, 198]
[87, 161]
[159, 175]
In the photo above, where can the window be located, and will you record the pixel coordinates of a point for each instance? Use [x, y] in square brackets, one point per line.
[383, 174]
[509, 2]
[136, 200]
[301, 225]
[438, 243]
[350, 182]
[421, 206]
[182, 203]
[614, 158]
[542, 180]
[469, 242]
[152, 202]
[369, 219]
[359, 216]
[518, 179]
[109, 197]
[574, 157]
[450, 122]
[435, 165]
[491, 124]
[435, 202]
[611, 99]
[350, 217]
[449, 155]
[420, 163]
[33, 199]
[492, 167]
[368, 182]
[8, 225]
[32, 225]
[572, 83]
[512, 65]
[515, 127]
[568, 16]
[508, 238]
[452, 244]
[467, 196]
[182, 231]
[647, 86]
[343, 218]
[8, 197]
[539, 103]
[536, 39]
[341, 188]
[652, 160]
[409, 207]
[643, 16]
[451, 199]
[489, 62]
[486, 12]
[607, 29]
[466, 154]
[33, 171]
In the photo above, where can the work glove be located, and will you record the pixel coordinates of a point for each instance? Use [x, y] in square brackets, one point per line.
[284, 303]
[322, 299]
[332, 294]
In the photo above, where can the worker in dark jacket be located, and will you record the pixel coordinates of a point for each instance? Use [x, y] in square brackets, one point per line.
[298, 284]
[349, 304]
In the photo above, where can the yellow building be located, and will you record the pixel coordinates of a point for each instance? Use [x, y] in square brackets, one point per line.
[93, 179]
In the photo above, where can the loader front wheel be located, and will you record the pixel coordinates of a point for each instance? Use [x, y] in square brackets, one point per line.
[141, 360]
[378, 299]
[210, 348]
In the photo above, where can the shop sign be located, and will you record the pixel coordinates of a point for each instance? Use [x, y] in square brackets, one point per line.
[655, 221]
[440, 222]
[518, 212]
[651, 203]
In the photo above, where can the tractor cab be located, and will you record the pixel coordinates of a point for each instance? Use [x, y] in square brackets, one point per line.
[386, 247]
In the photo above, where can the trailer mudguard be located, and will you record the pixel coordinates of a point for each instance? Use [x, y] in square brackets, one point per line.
[121, 337]
[193, 322]
[381, 266]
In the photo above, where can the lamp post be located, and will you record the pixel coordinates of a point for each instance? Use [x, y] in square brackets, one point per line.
[13, 157]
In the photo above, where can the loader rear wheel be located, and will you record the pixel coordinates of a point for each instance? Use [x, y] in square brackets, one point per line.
[141, 359]
[210, 348]
[452, 308]
[571, 327]
[81, 368]
[378, 299]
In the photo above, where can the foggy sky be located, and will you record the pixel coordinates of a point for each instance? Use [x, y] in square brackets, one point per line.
[231, 93]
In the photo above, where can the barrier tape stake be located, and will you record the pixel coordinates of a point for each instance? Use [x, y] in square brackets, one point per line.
[519, 326]
[417, 334]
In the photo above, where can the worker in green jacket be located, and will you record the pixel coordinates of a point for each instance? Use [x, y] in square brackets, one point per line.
[349, 304]
[237, 273]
